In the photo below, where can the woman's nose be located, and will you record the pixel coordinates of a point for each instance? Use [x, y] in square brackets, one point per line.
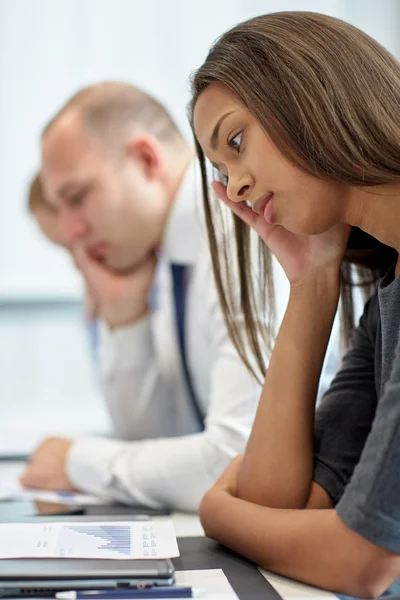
[238, 191]
[243, 190]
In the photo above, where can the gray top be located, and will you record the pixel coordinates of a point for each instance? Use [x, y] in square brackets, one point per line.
[357, 436]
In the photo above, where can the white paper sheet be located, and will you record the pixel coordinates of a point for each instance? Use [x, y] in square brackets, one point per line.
[213, 581]
[10, 489]
[117, 540]
[289, 589]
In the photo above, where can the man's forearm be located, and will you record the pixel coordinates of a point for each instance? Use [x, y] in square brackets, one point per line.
[170, 472]
[134, 389]
[312, 546]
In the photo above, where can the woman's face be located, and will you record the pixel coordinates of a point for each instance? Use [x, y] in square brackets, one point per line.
[255, 171]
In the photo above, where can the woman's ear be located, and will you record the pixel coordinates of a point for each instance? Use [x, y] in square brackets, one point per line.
[148, 155]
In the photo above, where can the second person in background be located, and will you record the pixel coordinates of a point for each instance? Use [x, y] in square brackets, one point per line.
[122, 181]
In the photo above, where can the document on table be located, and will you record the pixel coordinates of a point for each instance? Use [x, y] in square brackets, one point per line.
[10, 489]
[117, 540]
[213, 581]
[289, 589]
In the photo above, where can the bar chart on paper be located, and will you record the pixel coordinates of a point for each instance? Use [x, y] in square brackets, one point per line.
[116, 540]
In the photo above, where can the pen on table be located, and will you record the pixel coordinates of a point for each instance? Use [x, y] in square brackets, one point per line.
[125, 593]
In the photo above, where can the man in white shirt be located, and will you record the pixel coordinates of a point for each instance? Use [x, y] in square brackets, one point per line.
[182, 403]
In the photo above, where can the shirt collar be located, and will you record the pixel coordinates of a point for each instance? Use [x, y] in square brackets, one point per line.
[182, 234]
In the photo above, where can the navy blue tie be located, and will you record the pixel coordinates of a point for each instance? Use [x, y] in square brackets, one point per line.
[179, 277]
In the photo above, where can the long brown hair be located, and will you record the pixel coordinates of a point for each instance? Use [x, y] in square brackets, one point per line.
[329, 98]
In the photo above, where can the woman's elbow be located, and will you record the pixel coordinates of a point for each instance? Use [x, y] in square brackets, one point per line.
[276, 494]
[206, 513]
[373, 577]
[367, 587]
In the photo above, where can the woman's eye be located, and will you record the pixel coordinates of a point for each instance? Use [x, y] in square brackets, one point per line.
[236, 141]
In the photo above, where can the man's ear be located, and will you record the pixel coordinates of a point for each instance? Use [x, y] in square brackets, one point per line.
[147, 153]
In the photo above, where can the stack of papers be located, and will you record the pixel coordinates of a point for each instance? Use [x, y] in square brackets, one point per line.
[118, 540]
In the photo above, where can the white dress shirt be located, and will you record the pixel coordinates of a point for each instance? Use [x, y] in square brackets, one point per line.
[165, 459]
[162, 458]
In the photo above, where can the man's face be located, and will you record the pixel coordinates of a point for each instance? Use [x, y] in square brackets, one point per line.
[108, 202]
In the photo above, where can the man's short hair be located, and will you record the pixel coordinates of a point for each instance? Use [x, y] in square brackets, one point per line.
[110, 110]
[36, 198]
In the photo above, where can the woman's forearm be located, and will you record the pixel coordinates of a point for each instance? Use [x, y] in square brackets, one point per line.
[312, 546]
[277, 467]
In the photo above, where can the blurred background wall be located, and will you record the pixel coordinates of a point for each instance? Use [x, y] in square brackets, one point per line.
[48, 50]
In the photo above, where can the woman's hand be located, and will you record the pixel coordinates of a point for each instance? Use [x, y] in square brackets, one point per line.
[298, 255]
[228, 481]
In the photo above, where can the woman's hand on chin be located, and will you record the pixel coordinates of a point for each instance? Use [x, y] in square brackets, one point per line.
[299, 255]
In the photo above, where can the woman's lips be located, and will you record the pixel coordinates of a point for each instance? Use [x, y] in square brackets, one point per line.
[261, 205]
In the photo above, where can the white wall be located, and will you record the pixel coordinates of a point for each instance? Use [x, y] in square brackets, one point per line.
[48, 378]
[49, 49]
[381, 20]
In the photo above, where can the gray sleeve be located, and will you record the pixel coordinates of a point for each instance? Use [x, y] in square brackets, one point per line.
[370, 504]
[344, 417]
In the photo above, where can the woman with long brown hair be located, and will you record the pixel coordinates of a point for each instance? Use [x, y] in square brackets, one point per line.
[300, 113]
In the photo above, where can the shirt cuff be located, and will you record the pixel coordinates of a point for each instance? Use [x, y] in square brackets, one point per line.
[126, 347]
[90, 463]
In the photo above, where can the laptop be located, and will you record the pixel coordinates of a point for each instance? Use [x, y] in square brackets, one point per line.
[33, 577]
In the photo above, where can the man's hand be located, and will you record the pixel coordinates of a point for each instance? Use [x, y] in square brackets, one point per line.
[120, 298]
[47, 468]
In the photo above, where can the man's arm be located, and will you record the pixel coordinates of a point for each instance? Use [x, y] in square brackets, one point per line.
[176, 472]
[166, 471]
[139, 396]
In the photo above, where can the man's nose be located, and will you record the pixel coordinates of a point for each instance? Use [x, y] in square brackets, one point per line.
[73, 227]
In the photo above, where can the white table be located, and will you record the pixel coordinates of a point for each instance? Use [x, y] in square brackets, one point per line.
[188, 525]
